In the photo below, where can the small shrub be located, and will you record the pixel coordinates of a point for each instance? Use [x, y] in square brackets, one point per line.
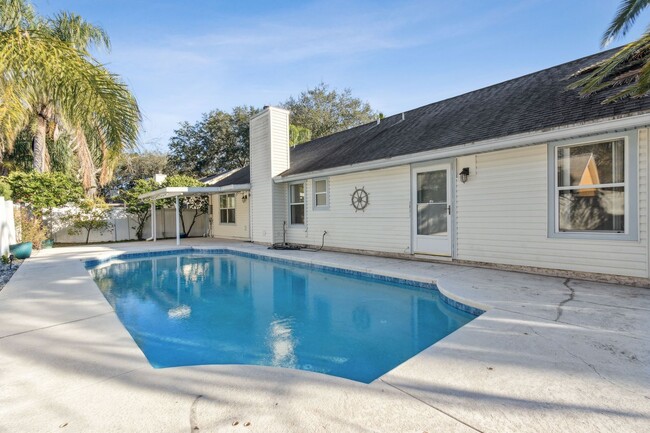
[29, 227]
[5, 259]
[92, 214]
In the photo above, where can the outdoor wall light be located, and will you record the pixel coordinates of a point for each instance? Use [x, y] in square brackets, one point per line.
[244, 198]
[464, 174]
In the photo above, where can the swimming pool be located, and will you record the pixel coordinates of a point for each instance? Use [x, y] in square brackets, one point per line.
[229, 307]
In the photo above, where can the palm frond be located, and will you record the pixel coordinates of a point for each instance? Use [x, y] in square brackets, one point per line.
[624, 19]
[81, 34]
[627, 69]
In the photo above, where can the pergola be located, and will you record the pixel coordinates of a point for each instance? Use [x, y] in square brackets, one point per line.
[184, 191]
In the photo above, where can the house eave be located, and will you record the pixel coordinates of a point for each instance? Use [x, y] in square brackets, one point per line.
[600, 126]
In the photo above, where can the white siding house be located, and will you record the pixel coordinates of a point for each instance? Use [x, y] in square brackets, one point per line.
[522, 174]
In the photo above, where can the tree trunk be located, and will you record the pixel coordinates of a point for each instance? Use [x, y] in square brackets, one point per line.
[87, 235]
[87, 165]
[40, 146]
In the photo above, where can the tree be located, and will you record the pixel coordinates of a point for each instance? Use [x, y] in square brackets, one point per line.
[90, 214]
[216, 143]
[136, 208]
[323, 111]
[50, 86]
[298, 135]
[133, 166]
[629, 67]
[198, 204]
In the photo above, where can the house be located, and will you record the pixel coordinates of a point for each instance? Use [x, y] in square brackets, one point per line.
[522, 174]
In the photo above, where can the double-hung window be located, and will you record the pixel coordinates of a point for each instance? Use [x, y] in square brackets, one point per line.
[227, 208]
[591, 189]
[320, 194]
[297, 203]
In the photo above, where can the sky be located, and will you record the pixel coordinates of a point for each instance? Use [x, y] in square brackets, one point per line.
[185, 58]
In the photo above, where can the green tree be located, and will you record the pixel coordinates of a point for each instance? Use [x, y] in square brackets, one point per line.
[629, 67]
[298, 135]
[50, 86]
[90, 214]
[136, 208]
[195, 203]
[323, 111]
[132, 167]
[216, 143]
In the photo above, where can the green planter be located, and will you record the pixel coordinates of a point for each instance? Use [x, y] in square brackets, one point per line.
[21, 251]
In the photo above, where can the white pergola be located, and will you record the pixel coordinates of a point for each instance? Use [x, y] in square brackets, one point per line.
[184, 191]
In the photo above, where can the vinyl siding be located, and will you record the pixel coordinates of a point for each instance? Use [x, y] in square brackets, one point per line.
[261, 197]
[501, 217]
[384, 226]
[269, 157]
[238, 230]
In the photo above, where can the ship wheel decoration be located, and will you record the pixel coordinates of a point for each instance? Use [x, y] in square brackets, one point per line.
[359, 199]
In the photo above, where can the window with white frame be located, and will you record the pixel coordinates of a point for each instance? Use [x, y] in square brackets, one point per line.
[227, 208]
[320, 193]
[590, 187]
[297, 203]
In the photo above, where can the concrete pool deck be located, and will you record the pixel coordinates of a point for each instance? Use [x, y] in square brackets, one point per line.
[549, 355]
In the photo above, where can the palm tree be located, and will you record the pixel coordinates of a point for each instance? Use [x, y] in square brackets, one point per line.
[629, 67]
[49, 82]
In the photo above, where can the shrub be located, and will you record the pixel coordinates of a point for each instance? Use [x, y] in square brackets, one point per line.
[5, 190]
[29, 228]
[92, 214]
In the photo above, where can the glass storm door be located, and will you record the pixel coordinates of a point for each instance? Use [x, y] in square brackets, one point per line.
[432, 210]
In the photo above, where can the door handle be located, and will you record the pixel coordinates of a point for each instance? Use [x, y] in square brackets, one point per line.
[449, 209]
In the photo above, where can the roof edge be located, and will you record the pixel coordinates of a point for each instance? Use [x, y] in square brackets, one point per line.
[599, 126]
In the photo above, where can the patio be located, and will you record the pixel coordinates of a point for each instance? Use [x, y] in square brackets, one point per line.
[550, 355]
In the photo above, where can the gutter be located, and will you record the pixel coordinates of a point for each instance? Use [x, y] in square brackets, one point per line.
[526, 139]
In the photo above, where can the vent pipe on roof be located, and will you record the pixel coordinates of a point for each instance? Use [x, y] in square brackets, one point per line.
[402, 117]
[378, 121]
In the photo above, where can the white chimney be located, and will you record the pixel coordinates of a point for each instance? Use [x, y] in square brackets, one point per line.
[269, 156]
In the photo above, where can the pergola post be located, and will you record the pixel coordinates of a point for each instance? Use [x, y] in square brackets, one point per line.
[154, 220]
[178, 224]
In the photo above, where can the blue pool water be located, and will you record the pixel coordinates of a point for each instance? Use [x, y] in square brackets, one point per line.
[193, 309]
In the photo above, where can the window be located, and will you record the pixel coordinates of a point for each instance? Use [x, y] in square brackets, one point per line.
[227, 208]
[591, 187]
[297, 203]
[320, 193]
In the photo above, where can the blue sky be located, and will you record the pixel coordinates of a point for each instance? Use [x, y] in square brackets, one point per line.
[184, 58]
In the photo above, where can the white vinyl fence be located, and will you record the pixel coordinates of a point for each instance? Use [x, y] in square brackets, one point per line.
[7, 225]
[123, 227]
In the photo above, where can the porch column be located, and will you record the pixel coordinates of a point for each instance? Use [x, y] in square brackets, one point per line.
[154, 220]
[178, 224]
[153, 224]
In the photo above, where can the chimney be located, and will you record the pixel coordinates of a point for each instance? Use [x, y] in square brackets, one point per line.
[269, 156]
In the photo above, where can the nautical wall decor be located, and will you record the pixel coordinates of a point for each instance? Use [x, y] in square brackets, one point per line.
[360, 199]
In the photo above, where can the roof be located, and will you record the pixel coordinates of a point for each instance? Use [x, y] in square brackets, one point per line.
[237, 176]
[534, 102]
[184, 191]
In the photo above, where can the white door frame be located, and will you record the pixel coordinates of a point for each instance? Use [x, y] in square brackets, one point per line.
[449, 164]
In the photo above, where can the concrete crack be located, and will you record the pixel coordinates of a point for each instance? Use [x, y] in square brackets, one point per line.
[55, 325]
[432, 406]
[194, 424]
[569, 299]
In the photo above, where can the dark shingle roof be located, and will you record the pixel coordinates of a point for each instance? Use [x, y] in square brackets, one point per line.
[240, 177]
[530, 103]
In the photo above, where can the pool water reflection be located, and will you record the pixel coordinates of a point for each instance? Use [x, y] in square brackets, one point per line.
[196, 309]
